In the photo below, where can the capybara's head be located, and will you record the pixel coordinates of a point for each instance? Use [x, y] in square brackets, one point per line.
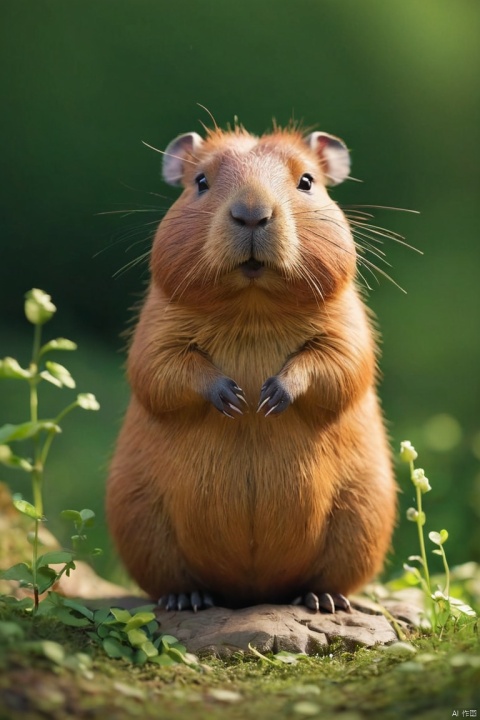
[254, 217]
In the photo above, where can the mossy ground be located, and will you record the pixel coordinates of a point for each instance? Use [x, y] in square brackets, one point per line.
[430, 680]
[49, 670]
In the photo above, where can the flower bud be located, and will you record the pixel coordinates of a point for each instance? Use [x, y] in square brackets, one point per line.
[88, 401]
[38, 307]
[407, 451]
[420, 481]
[412, 514]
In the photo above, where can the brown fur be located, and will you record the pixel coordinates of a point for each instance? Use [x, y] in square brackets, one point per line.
[256, 508]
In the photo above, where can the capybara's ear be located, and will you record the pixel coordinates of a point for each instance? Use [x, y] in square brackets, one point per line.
[176, 155]
[333, 156]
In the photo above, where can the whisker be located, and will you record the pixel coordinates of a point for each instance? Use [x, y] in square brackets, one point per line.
[394, 237]
[126, 213]
[133, 263]
[367, 263]
[162, 152]
[385, 232]
[382, 207]
[365, 279]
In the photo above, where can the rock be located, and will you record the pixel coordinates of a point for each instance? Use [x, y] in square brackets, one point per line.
[271, 628]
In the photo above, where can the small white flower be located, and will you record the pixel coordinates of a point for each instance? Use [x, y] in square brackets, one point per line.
[420, 481]
[407, 451]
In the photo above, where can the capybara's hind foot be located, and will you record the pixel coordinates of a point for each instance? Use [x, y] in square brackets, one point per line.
[186, 601]
[324, 601]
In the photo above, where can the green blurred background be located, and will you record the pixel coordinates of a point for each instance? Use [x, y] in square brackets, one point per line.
[84, 83]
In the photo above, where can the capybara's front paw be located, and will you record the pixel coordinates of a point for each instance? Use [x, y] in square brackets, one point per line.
[186, 601]
[274, 397]
[227, 397]
[324, 601]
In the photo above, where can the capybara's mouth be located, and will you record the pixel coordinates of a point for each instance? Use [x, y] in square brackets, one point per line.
[252, 268]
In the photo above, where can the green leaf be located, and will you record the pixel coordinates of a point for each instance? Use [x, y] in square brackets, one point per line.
[25, 507]
[73, 515]
[9, 368]
[99, 616]
[79, 608]
[88, 401]
[9, 433]
[88, 516]
[181, 648]
[58, 344]
[67, 617]
[163, 660]
[8, 458]
[140, 658]
[288, 658]
[175, 654]
[122, 616]
[46, 577]
[168, 640]
[149, 649]
[115, 649]
[137, 637]
[58, 374]
[138, 620]
[20, 572]
[152, 627]
[54, 557]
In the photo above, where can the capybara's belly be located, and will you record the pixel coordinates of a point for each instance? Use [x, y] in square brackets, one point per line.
[248, 500]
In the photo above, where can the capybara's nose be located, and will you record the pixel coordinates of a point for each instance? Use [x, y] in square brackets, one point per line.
[251, 215]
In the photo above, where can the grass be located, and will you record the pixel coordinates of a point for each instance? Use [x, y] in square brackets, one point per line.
[425, 678]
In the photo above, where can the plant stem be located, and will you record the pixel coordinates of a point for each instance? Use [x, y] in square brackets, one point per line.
[64, 412]
[34, 380]
[37, 472]
[423, 553]
[447, 572]
[421, 539]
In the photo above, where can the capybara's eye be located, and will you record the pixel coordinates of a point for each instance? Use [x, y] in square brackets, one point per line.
[202, 183]
[305, 183]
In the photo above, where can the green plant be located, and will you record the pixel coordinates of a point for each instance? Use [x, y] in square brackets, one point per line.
[442, 609]
[39, 575]
[133, 636]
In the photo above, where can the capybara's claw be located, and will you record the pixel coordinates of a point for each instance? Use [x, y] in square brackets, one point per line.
[226, 396]
[274, 398]
[186, 601]
[324, 601]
